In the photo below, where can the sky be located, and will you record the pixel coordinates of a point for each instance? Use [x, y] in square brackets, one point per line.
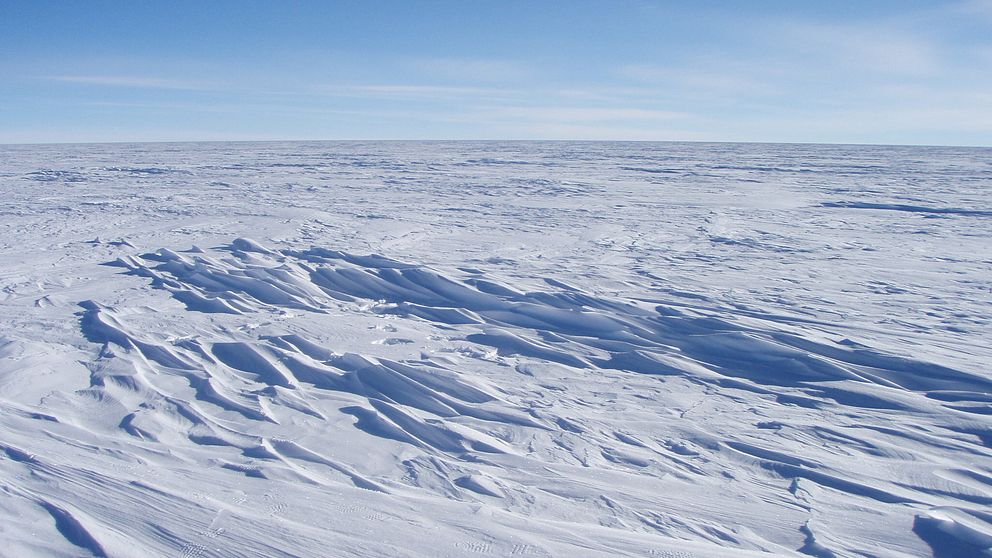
[884, 72]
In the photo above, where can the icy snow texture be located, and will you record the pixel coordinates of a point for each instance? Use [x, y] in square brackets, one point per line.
[471, 349]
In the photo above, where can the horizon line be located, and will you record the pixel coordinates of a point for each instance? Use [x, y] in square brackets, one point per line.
[481, 140]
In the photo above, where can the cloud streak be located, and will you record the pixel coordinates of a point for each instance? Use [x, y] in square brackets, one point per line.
[585, 114]
[412, 91]
[133, 82]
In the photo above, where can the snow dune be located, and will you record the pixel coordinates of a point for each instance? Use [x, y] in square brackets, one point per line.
[472, 350]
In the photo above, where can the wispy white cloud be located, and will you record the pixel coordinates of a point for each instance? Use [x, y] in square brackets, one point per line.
[411, 91]
[565, 131]
[584, 114]
[694, 78]
[863, 47]
[134, 82]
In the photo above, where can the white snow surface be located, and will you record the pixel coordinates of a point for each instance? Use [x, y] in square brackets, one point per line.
[495, 349]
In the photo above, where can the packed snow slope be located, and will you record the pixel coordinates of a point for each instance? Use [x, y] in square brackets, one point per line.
[495, 349]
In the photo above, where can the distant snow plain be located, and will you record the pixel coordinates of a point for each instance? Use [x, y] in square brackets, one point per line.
[495, 349]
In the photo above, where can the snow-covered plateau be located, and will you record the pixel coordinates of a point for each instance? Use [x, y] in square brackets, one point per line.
[495, 349]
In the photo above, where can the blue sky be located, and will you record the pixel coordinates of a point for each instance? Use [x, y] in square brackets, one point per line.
[908, 71]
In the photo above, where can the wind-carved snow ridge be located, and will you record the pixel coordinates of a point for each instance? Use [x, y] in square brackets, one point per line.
[567, 327]
[787, 417]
